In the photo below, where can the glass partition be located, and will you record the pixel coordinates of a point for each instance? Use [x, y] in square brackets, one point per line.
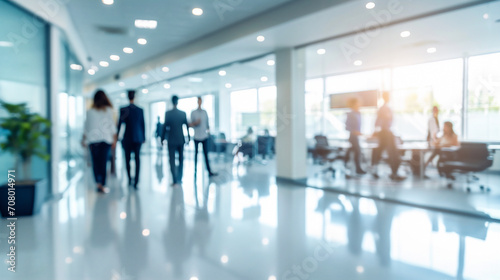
[23, 75]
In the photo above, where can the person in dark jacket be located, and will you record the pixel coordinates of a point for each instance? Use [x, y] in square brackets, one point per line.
[134, 136]
[173, 133]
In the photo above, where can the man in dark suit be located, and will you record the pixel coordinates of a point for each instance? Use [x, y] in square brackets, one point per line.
[134, 136]
[173, 132]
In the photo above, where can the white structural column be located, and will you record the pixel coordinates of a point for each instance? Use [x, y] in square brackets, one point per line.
[291, 144]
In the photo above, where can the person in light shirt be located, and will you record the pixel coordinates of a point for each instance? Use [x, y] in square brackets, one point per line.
[199, 121]
[100, 135]
[433, 126]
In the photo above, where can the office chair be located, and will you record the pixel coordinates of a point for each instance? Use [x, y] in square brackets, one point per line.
[470, 158]
[326, 154]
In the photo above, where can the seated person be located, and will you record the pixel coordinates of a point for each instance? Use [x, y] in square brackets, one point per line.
[247, 144]
[449, 139]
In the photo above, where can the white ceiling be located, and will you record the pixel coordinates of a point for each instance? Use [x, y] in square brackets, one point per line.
[176, 26]
[462, 30]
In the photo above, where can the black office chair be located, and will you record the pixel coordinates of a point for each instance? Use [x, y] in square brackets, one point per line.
[326, 154]
[468, 159]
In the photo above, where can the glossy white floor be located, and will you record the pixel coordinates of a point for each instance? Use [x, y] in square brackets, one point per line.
[242, 225]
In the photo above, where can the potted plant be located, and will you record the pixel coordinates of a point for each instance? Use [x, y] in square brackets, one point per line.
[25, 137]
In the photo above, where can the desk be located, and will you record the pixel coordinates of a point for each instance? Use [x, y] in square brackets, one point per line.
[420, 147]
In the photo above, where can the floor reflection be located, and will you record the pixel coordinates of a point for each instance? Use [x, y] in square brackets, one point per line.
[245, 225]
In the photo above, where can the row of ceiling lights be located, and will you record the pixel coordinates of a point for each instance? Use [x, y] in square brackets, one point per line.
[221, 73]
[403, 34]
[139, 23]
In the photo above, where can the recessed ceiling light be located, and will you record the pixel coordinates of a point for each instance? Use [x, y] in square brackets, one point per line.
[370, 5]
[193, 278]
[265, 241]
[358, 63]
[122, 84]
[145, 90]
[197, 11]
[114, 57]
[261, 38]
[271, 62]
[264, 79]
[6, 44]
[76, 67]
[91, 71]
[146, 24]
[166, 85]
[224, 259]
[108, 2]
[228, 85]
[145, 232]
[128, 50]
[272, 277]
[104, 63]
[144, 76]
[142, 41]
[431, 50]
[165, 69]
[360, 269]
[321, 51]
[222, 73]
[123, 215]
[486, 16]
[405, 34]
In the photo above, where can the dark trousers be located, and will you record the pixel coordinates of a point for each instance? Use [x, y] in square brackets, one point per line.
[130, 148]
[387, 142]
[176, 170]
[99, 153]
[356, 148]
[204, 144]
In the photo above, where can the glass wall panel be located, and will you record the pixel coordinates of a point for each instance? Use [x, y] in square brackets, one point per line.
[483, 108]
[419, 87]
[23, 75]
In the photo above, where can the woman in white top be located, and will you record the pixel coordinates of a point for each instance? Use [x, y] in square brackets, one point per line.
[100, 136]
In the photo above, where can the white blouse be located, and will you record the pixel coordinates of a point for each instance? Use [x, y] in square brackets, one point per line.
[100, 126]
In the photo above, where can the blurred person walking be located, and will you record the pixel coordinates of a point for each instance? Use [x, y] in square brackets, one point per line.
[100, 135]
[133, 118]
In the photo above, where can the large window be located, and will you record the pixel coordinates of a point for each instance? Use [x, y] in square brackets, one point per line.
[417, 88]
[483, 107]
[354, 82]
[254, 108]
